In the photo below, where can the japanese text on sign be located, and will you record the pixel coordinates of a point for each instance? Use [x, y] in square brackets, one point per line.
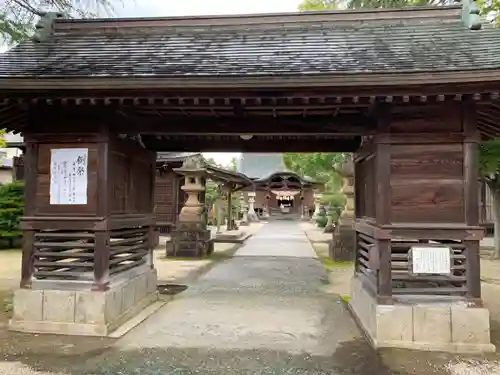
[431, 260]
[68, 175]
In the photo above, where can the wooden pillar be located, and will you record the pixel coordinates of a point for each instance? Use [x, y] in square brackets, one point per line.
[229, 192]
[30, 203]
[471, 198]
[383, 201]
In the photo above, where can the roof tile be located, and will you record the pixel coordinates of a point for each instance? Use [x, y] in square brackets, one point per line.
[274, 49]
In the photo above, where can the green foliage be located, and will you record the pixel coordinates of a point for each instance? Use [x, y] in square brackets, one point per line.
[317, 165]
[489, 8]
[321, 221]
[11, 209]
[335, 203]
[489, 162]
[311, 5]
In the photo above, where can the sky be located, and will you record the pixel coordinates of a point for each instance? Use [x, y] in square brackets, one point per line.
[161, 8]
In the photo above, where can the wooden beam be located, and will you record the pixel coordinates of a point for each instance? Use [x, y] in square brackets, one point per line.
[128, 123]
[236, 144]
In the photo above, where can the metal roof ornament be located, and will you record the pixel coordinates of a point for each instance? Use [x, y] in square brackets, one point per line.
[470, 15]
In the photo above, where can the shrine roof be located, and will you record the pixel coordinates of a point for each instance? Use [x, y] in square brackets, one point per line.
[260, 167]
[214, 172]
[410, 40]
[174, 156]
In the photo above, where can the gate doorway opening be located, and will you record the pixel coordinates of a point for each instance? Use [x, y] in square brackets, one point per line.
[411, 113]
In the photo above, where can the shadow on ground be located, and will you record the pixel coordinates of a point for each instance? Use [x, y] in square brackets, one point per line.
[99, 359]
[42, 354]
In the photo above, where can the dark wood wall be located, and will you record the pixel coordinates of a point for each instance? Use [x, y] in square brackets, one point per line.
[168, 199]
[110, 234]
[417, 182]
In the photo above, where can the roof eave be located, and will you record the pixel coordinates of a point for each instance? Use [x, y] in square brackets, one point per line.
[345, 79]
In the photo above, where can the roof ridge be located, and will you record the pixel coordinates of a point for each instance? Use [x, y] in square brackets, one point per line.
[448, 12]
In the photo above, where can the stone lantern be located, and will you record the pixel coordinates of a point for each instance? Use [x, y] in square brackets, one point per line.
[344, 237]
[190, 236]
[317, 205]
[243, 211]
[252, 216]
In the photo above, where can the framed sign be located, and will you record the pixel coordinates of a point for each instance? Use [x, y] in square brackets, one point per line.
[426, 260]
[68, 175]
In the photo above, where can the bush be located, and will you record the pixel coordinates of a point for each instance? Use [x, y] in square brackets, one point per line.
[11, 210]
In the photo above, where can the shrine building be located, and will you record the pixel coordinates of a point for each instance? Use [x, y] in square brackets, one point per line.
[279, 192]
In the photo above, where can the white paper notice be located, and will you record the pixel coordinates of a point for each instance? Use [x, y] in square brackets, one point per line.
[68, 175]
[431, 260]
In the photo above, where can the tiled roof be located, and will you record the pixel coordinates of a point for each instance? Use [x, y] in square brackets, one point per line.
[174, 156]
[426, 40]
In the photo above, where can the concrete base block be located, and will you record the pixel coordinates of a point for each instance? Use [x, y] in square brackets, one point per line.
[448, 326]
[83, 312]
[253, 218]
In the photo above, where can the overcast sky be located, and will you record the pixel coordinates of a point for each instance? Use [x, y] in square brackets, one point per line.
[159, 8]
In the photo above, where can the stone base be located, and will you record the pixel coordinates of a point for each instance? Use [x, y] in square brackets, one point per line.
[343, 245]
[422, 324]
[253, 218]
[189, 240]
[83, 312]
[234, 236]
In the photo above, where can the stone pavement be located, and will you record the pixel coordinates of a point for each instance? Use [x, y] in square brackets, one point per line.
[264, 311]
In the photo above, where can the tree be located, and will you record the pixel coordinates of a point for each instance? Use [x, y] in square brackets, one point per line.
[317, 166]
[489, 8]
[11, 210]
[18, 17]
[311, 5]
[489, 161]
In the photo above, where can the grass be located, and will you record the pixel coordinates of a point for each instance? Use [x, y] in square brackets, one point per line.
[328, 262]
[6, 305]
[345, 299]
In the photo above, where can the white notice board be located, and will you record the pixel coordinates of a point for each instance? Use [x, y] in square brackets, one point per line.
[68, 175]
[431, 260]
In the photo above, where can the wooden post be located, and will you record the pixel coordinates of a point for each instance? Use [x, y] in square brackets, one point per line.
[229, 225]
[101, 251]
[471, 197]
[30, 192]
[383, 202]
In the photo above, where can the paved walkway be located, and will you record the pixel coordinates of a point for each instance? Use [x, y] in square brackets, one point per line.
[261, 312]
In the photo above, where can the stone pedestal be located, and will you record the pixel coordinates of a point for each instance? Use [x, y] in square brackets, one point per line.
[70, 309]
[433, 323]
[189, 240]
